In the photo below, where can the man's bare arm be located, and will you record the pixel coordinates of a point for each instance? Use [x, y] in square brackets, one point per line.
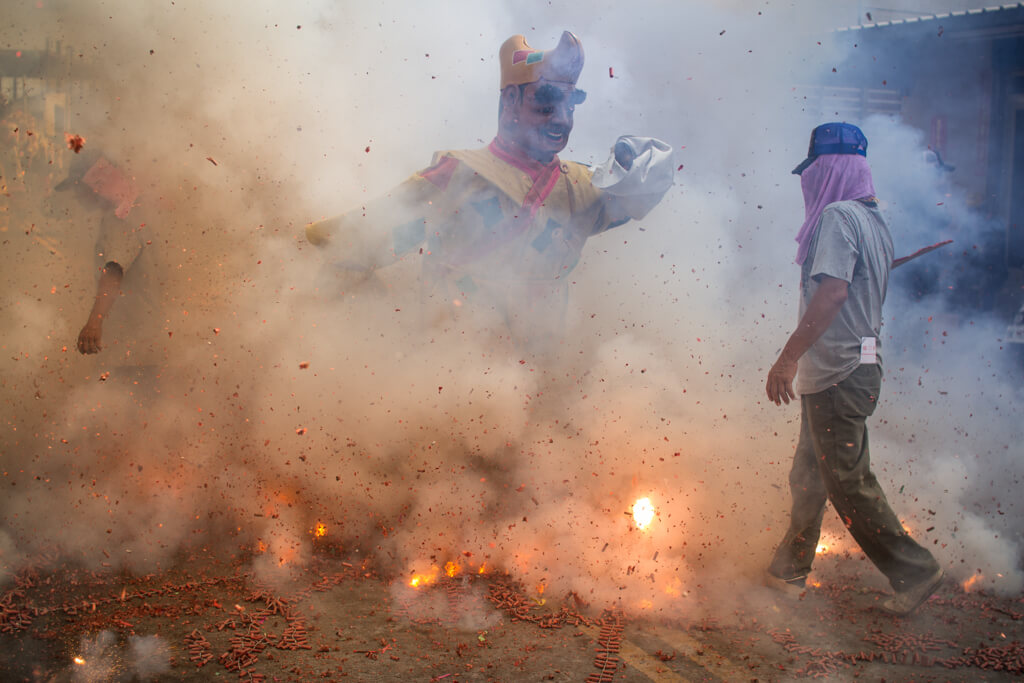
[90, 338]
[821, 311]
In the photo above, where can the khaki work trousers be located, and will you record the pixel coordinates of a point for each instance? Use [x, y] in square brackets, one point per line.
[832, 463]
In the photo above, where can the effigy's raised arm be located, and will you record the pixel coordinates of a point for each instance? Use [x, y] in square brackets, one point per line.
[635, 177]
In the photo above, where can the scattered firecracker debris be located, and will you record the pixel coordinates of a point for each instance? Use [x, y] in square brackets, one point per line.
[74, 142]
[236, 624]
[199, 649]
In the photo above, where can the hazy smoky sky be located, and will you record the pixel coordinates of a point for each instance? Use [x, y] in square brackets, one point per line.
[420, 448]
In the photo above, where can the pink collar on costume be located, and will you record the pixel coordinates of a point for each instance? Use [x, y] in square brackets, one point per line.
[512, 154]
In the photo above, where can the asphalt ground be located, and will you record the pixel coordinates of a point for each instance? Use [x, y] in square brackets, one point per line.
[334, 620]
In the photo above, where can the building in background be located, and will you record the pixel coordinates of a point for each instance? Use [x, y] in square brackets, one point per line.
[958, 77]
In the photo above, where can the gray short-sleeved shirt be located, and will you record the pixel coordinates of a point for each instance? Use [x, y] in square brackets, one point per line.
[852, 243]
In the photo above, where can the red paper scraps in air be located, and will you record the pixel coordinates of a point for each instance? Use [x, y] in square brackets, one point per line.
[75, 142]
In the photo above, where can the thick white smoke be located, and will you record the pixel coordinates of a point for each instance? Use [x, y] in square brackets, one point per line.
[285, 407]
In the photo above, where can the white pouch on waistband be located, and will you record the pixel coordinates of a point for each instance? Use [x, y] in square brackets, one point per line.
[868, 350]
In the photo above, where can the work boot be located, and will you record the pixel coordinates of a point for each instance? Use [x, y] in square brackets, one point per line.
[793, 587]
[905, 602]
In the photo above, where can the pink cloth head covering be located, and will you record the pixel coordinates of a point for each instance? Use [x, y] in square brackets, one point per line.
[831, 178]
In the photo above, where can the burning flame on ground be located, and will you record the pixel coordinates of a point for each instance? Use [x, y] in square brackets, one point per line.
[971, 583]
[451, 570]
[419, 580]
[674, 588]
[831, 543]
[320, 531]
[643, 513]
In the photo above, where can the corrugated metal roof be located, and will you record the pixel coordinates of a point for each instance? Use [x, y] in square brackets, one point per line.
[981, 17]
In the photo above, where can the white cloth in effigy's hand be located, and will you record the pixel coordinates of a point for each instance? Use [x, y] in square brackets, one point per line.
[651, 172]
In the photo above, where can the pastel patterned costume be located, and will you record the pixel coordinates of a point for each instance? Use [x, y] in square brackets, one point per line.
[498, 234]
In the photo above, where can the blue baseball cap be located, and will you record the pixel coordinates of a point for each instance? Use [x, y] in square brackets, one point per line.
[834, 138]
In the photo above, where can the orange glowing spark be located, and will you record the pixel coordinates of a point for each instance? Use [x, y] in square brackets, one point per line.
[321, 530]
[419, 580]
[643, 513]
[821, 549]
[674, 588]
[79, 661]
[451, 569]
[971, 583]
[482, 570]
[541, 588]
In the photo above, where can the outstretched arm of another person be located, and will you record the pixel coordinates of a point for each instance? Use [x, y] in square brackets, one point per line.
[91, 337]
[821, 311]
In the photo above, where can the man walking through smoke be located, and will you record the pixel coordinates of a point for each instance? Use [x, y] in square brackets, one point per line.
[500, 228]
[846, 254]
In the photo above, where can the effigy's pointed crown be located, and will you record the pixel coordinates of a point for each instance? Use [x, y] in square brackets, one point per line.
[521, 64]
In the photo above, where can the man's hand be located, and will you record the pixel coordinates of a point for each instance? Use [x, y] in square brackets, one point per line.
[821, 311]
[106, 292]
[90, 336]
[779, 385]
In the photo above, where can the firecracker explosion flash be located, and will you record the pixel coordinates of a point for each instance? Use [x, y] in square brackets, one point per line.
[643, 513]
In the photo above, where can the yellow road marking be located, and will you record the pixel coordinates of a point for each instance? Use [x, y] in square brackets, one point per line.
[711, 661]
[49, 243]
[685, 646]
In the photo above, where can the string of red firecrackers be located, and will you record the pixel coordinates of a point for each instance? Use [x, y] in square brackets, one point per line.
[200, 651]
[454, 589]
[15, 614]
[606, 660]
[504, 594]
[244, 648]
[904, 648]
[507, 594]
[976, 602]
[16, 617]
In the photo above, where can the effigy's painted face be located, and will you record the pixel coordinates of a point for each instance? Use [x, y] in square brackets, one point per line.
[540, 117]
